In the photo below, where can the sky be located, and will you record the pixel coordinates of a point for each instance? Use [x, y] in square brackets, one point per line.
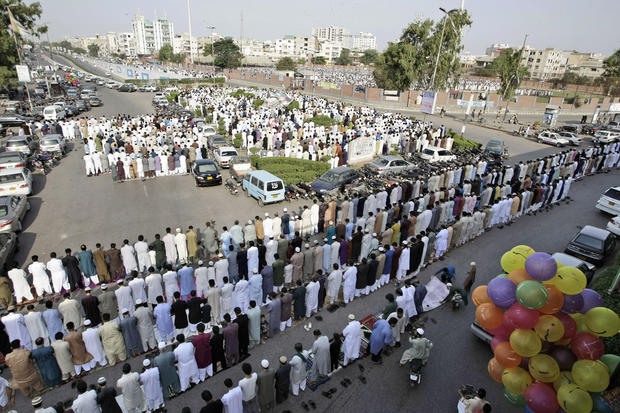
[568, 25]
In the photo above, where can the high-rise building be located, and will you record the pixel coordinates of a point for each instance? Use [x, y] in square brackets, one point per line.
[332, 34]
[363, 41]
[126, 43]
[150, 35]
[546, 63]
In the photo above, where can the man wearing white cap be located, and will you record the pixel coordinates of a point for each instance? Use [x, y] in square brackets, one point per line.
[312, 297]
[256, 286]
[297, 259]
[124, 297]
[268, 226]
[327, 256]
[249, 232]
[352, 340]
[314, 217]
[252, 254]
[202, 279]
[286, 229]
[171, 250]
[333, 283]
[403, 262]
[366, 245]
[180, 240]
[222, 267]
[335, 251]
[134, 400]
[266, 386]
[145, 320]
[276, 226]
[306, 222]
[272, 250]
[93, 344]
[37, 402]
[241, 296]
[152, 387]
[420, 348]
[350, 279]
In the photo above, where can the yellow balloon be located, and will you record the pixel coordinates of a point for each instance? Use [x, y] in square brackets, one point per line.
[549, 328]
[511, 261]
[580, 319]
[565, 377]
[544, 368]
[574, 399]
[525, 342]
[559, 264]
[591, 375]
[602, 321]
[516, 379]
[523, 250]
[570, 280]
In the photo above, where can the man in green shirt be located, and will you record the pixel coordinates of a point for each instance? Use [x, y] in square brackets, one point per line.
[278, 273]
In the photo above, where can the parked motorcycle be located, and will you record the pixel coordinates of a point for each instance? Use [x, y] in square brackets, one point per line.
[231, 185]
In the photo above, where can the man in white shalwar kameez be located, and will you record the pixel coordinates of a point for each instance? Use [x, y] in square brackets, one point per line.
[93, 345]
[58, 273]
[252, 253]
[202, 278]
[334, 279]
[227, 299]
[312, 297]
[142, 251]
[314, 218]
[366, 245]
[409, 294]
[403, 262]
[16, 328]
[134, 400]
[20, 284]
[138, 289]
[298, 370]
[441, 242]
[220, 270]
[171, 284]
[272, 250]
[171, 249]
[352, 340]
[268, 226]
[306, 222]
[335, 251]
[154, 287]
[124, 297]
[152, 386]
[40, 278]
[180, 240]
[348, 288]
[187, 367]
[35, 325]
[241, 295]
[129, 257]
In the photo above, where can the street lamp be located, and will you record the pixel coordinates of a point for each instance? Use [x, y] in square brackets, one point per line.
[443, 28]
[212, 49]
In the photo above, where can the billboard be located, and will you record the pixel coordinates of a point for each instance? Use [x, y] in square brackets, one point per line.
[23, 74]
[428, 102]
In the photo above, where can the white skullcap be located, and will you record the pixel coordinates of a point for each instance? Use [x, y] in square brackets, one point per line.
[473, 263]
[178, 230]
[331, 222]
[87, 322]
[255, 271]
[146, 362]
[448, 284]
[284, 209]
[249, 221]
[420, 331]
[316, 241]
[200, 262]
[381, 249]
[351, 317]
[297, 249]
[161, 345]
[325, 239]
[220, 255]
[104, 287]
[264, 364]
[87, 289]
[405, 242]
[124, 311]
[333, 237]
[266, 214]
[139, 301]
[120, 281]
[366, 231]
[101, 380]
[307, 245]
[374, 234]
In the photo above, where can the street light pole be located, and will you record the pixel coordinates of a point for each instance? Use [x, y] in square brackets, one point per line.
[189, 21]
[443, 28]
[212, 49]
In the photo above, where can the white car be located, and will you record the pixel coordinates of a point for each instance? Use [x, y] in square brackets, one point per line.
[552, 138]
[15, 182]
[573, 138]
[610, 201]
[437, 154]
[605, 136]
[223, 155]
[149, 88]
[613, 226]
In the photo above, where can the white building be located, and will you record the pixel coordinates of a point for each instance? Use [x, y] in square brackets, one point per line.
[546, 63]
[150, 36]
[330, 50]
[332, 34]
[363, 41]
[126, 43]
[285, 47]
[183, 44]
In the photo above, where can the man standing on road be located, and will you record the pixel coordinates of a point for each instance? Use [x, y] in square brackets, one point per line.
[112, 340]
[124, 297]
[129, 257]
[160, 252]
[265, 383]
[209, 240]
[152, 386]
[163, 320]
[167, 371]
[170, 246]
[322, 356]
[142, 251]
[144, 318]
[87, 265]
[352, 340]
[188, 369]
[233, 399]
[133, 395]
[298, 370]
[202, 353]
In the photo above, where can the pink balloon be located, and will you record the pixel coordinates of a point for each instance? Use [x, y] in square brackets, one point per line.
[570, 325]
[587, 346]
[541, 398]
[501, 331]
[520, 317]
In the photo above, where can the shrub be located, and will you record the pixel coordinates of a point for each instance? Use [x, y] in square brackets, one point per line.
[461, 143]
[240, 93]
[290, 170]
[209, 118]
[172, 96]
[258, 103]
[237, 140]
[321, 120]
[293, 105]
[254, 149]
[221, 129]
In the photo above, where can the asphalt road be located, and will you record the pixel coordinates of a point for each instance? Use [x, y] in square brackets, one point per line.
[457, 357]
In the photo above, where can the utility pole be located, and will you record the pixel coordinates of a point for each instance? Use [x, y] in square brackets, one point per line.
[212, 48]
[443, 28]
[189, 21]
[241, 33]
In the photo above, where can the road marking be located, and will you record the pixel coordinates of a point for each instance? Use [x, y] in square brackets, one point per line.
[146, 192]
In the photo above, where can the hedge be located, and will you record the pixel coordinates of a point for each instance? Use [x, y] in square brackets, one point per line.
[601, 284]
[293, 105]
[258, 103]
[240, 93]
[321, 120]
[291, 170]
[461, 143]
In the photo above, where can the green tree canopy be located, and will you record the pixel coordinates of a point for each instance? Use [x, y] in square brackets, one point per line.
[177, 58]
[79, 50]
[227, 53]
[93, 50]
[345, 58]
[508, 67]
[394, 67]
[370, 56]
[286, 63]
[165, 53]
[64, 44]
[611, 77]
[319, 60]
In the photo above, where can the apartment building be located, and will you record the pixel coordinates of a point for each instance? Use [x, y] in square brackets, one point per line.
[151, 35]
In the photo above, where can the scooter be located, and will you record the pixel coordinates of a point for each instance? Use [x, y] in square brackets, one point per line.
[415, 372]
[457, 301]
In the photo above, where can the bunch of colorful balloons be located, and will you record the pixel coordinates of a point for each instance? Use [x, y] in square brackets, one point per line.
[546, 328]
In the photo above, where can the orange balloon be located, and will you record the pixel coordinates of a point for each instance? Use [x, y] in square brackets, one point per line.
[506, 355]
[495, 369]
[489, 315]
[480, 296]
[555, 300]
[518, 275]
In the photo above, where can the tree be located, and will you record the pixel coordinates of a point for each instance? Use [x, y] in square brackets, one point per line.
[227, 53]
[394, 68]
[177, 58]
[345, 58]
[301, 61]
[165, 53]
[286, 63]
[78, 50]
[65, 45]
[206, 50]
[508, 67]
[319, 60]
[611, 77]
[27, 16]
[370, 56]
[93, 50]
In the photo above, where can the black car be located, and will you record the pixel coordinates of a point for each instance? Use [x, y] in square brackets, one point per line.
[334, 178]
[592, 244]
[206, 173]
[81, 105]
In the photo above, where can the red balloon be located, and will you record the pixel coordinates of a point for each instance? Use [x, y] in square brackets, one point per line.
[520, 317]
[501, 331]
[541, 398]
[587, 346]
[570, 325]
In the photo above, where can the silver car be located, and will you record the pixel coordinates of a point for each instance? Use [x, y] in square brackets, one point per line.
[572, 137]
[12, 212]
[390, 163]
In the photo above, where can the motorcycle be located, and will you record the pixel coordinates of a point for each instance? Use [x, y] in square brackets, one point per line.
[231, 185]
[415, 372]
[457, 301]
[40, 167]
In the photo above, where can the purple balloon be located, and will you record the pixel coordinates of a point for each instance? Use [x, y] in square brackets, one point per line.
[572, 303]
[564, 356]
[591, 299]
[502, 292]
[541, 266]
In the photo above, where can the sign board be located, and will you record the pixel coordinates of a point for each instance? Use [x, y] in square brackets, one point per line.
[23, 74]
[428, 102]
[361, 150]
[328, 85]
[391, 95]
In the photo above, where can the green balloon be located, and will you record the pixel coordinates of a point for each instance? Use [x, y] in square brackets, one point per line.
[517, 400]
[611, 361]
[532, 294]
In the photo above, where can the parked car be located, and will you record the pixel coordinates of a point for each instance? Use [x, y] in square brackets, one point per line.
[591, 128]
[571, 128]
[12, 160]
[610, 201]
[15, 181]
[84, 94]
[81, 105]
[613, 124]
[571, 137]
[12, 212]
[390, 163]
[436, 154]
[217, 141]
[53, 143]
[613, 226]
[496, 146]
[206, 173]
[239, 166]
[100, 82]
[8, 119]
[54, 112]
[552, 138]
[149, 88]
[8, 243]
[334, 178]
[592, 244]
[223, 155]
[264, 186]
[605, 136]
[570, 261]
[94, 101]
[23, 143]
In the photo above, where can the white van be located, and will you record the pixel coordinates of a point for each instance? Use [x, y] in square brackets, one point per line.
[54, 112]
